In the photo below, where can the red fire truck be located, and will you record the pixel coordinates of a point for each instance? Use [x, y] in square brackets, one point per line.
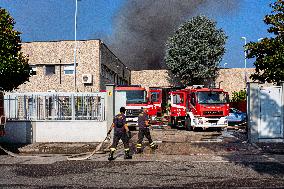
[155, 102]
[136, 98]
[199, 107]
[2, 115]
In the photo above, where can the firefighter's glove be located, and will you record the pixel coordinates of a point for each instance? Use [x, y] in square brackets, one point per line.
[108, 133]
[128, 134]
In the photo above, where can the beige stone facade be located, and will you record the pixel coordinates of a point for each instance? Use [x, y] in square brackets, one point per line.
[53, 65]
[153, 78]
[233, 79]
[230, 80]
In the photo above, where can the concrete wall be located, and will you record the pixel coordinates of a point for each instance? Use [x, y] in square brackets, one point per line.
[54, 131]
[70, 131]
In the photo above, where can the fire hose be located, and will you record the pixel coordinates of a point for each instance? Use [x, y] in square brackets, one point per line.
[16, 155]
[77, 157]
[85, 156]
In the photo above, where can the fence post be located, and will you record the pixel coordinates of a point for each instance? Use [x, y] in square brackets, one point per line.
[109, 104]
[253, 111]
[282, 106]
[73, 106]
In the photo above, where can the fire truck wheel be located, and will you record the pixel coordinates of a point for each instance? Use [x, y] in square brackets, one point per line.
[189, 128]
[219, 129]
[188, 125]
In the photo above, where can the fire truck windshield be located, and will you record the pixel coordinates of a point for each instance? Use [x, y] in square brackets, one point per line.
[178, 98]
[135, 96]
[155, 97]
[211, 97]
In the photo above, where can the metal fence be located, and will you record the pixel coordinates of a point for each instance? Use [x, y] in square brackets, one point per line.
[55, 106]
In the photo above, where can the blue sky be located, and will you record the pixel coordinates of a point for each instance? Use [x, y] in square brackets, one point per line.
[51, 20]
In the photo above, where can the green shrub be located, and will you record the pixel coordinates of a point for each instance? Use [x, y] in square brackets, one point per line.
[239, 96]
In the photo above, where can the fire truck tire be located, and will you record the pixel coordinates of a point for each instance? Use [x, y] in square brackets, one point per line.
[219, 129]
[188, 126]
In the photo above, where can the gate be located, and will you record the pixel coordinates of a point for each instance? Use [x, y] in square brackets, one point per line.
[265, 113]
[271, 115]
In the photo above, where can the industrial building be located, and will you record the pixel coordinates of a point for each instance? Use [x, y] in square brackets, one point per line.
[52, 66]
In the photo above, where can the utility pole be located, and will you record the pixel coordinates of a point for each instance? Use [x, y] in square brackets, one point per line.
[75, 46]
[245, 59]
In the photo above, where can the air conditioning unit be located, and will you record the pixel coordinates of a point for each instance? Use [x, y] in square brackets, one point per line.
[87, 78]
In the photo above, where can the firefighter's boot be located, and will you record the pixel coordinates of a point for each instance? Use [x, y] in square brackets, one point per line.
[153, 146]
[110, 157]
[139, 148]
[127, 154]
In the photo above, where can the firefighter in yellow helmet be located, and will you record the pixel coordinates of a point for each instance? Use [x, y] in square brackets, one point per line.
[121, 131]
[144, 130]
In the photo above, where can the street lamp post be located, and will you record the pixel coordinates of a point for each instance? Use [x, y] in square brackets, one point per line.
[75, 45]
[244, 38]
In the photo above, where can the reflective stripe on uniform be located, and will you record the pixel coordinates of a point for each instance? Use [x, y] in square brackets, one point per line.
[112, 149]
[126, 149]
[152, 144]
[138, 145]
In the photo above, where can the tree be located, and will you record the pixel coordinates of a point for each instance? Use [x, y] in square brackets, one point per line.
[14, 68]
[269, 52]
[195, 51]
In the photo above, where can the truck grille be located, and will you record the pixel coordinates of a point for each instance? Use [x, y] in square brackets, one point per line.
[213, 113]
[133, 112]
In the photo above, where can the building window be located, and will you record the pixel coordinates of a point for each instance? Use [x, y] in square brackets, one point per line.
[49, 69]
[33, 70]
[68, 70]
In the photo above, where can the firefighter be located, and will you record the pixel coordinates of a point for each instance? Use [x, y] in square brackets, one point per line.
[144, 130]
[121, 131]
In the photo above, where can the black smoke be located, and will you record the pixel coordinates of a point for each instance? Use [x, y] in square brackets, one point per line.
[142, 27]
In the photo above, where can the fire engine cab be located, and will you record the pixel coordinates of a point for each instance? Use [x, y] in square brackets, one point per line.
[155, 102]
[136, 98]
[201, 107]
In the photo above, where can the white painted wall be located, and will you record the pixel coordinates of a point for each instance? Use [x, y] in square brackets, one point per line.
[55, 131]
[70, 131]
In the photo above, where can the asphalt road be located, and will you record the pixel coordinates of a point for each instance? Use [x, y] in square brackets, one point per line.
[55, 172]
[183, 160]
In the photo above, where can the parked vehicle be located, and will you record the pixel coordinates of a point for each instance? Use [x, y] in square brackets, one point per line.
[188, 108]
[136, 98]
[155, 102]
[199, 107]
[236, 117]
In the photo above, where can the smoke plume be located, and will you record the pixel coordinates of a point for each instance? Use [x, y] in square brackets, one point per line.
[142, 27]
